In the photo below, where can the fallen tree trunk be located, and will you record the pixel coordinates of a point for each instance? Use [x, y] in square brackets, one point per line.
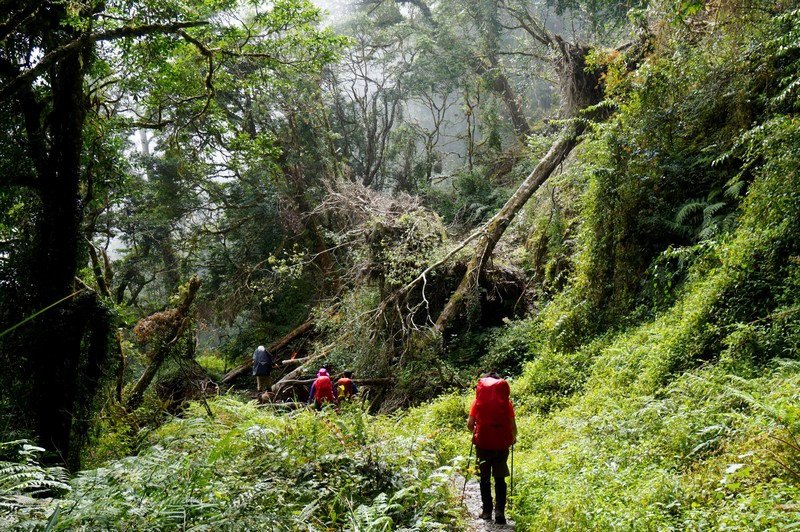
[359, 382]
[494, 229]
[247, 365]
[294, 361]
[166, 328]
[298, 370]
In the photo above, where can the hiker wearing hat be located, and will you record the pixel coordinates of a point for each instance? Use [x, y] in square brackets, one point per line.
[262, 365]
[321, 391]
[494, 431]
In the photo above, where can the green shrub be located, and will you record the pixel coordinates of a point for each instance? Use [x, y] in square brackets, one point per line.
[514, 344]
[214, 364]
[552, 378]
[474, 199]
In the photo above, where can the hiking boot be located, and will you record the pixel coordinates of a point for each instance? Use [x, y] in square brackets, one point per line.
[486, 515]
[500, 519]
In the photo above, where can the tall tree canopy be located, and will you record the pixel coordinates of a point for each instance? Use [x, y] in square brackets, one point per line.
[75, 81]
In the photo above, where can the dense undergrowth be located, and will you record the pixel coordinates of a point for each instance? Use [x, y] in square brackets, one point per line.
[248, 468]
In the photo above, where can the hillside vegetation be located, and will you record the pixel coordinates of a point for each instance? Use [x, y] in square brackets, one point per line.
[662, 385]
[645, 303]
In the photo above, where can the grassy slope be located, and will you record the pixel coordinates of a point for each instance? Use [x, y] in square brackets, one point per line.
[687, 420]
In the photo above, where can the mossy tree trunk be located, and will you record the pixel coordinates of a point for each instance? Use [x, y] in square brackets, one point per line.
[165, 342]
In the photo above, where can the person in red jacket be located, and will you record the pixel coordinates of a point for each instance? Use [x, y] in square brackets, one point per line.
[322, 391]
[494, 431]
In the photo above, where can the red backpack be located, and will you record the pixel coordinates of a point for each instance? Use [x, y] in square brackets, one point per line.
[493, 415]
[323, 390]
[345, 388]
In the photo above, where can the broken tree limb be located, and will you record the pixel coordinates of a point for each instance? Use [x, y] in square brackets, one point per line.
[247, 365]
[165, 328]
[294, 361]
[373, 382]
[359, 382]
[299, 370]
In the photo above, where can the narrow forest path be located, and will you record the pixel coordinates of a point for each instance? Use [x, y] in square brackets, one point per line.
[472, 500]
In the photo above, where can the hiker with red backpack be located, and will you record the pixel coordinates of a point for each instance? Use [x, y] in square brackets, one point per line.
[322, 391]
[345, 387]
[494, 431]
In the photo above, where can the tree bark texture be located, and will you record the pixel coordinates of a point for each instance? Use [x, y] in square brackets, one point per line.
[55, 349]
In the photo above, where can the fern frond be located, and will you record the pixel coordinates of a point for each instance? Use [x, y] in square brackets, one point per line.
[708, 232]
[711, 209]
[735, 187]
[687, 209]
[789, 92]
[679, 229]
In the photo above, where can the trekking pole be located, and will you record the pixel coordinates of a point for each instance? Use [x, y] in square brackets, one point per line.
[464, 489]
[511, 499]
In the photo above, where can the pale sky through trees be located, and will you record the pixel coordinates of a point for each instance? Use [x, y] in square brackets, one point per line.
[336, 8]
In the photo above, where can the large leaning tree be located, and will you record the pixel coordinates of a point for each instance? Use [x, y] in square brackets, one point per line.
[581, 89]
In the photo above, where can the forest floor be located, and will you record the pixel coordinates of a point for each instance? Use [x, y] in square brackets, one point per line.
[472, 500]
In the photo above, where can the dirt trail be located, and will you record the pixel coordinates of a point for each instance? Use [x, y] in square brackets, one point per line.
[472, 500]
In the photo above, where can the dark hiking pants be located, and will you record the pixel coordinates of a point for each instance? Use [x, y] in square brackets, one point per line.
[493, 464]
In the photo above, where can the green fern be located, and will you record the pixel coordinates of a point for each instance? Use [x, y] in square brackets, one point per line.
[242, 469]
[706, 219]
[688, 209]
[27, 488]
